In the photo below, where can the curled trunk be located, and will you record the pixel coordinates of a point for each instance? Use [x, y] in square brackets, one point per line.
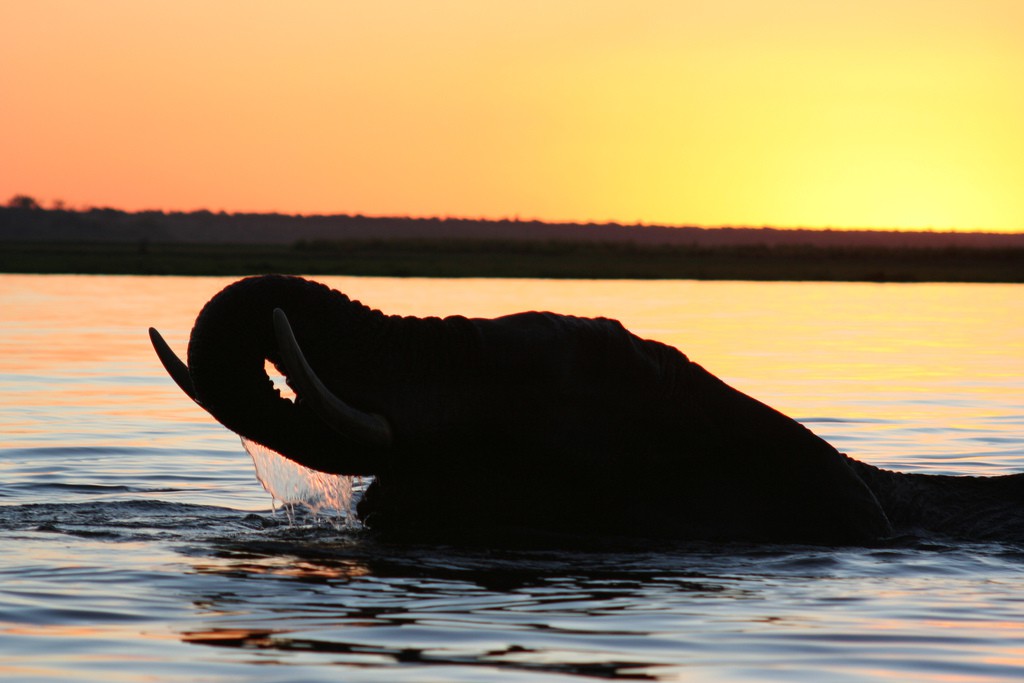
[231, 342]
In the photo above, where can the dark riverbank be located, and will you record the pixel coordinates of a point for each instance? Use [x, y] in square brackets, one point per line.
[109, 241]
[478, 258]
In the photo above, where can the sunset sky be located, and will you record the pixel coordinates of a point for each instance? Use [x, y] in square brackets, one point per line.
[875, 113]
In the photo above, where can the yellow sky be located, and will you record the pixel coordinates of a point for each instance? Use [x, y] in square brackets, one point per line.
[875, 113]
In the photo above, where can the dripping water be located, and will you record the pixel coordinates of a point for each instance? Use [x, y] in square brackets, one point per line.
[292, 486]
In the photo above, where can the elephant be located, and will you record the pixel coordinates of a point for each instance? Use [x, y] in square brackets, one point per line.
[546, 424]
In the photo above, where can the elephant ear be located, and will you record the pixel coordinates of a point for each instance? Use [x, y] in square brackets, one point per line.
[368, 428]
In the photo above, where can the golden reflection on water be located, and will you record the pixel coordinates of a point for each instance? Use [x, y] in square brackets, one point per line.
[289, 566]
[866, 330]
[79, 323]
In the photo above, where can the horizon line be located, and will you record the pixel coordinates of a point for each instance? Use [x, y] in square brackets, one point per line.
[60, 205]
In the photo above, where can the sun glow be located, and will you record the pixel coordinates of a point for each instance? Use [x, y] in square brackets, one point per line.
[882, 113]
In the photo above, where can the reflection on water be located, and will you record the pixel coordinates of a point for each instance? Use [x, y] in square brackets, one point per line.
[137, 543]
[676, 613]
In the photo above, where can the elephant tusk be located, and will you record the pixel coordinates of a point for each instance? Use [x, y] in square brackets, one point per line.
[172, 364]
[365, 427]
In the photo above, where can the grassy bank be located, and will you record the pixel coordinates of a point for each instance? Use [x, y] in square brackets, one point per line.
[479, 258]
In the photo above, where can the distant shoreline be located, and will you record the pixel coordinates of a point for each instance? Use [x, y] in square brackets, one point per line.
[481, 258]
[108, 241]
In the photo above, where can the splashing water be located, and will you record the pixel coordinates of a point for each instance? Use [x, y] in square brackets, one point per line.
[327, 496]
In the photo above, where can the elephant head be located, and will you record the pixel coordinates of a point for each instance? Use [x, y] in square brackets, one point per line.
[530, 421]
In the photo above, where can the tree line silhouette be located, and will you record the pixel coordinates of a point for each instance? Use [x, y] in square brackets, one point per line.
[24, 220]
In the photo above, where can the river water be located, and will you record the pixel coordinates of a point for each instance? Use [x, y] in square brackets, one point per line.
[137, 544]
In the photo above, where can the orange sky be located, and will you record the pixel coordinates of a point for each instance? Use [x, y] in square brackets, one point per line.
[875, 113]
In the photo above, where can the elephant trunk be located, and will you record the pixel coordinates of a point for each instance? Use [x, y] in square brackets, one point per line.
[234, 337]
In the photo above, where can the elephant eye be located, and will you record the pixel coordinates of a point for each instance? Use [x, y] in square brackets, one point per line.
[279, 382]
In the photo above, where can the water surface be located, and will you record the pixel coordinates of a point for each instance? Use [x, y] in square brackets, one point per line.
[137, 544]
